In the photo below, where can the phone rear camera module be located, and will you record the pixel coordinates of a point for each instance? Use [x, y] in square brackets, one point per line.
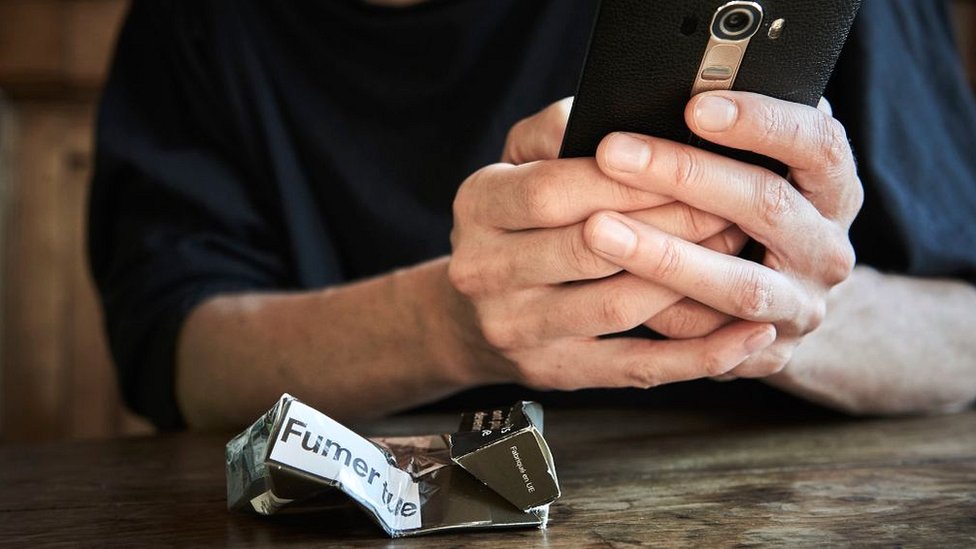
[737, 21]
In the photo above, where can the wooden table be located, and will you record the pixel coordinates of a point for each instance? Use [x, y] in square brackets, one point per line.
[629, 477]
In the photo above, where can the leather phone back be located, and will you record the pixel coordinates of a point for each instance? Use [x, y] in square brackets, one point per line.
[644, 56]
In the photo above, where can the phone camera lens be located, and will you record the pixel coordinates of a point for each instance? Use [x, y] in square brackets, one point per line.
[737, 21]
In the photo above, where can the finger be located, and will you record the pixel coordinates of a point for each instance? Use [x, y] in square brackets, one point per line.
[808, 140]
[754, 198]
[552, 256]
[766, 362]
[732, 285]
[597, 308]
[763, 204]
[729, 241]
[824, 106]
[545, 194]
[724, 378]
[539, 136]
[682, 220]
[630, 362]
[585, 310]
[688, 319]
[529, 258]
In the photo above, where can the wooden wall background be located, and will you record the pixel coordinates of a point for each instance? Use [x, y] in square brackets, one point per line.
[56, 379]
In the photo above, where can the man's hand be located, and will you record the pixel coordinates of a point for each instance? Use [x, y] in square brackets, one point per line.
[538, 295]
[802, 225]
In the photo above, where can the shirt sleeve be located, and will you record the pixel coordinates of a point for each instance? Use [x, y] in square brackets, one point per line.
[900, 89]
[174, 216]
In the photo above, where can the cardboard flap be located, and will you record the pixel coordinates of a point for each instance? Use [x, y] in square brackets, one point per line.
[505, 450]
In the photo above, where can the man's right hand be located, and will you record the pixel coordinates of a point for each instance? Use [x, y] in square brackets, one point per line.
[535, 299]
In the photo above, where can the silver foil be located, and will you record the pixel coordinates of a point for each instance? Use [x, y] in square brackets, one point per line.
[294, 458]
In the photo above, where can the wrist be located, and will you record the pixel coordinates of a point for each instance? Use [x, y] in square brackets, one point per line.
[454, 352]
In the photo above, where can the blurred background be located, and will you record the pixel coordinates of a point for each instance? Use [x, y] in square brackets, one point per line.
[56, 377]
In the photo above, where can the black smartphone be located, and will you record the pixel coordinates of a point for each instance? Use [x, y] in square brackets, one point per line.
[647, 58]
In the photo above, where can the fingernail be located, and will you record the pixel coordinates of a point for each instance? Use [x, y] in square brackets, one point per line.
[613, 238]
[626, 153]
[760, 340]
[714, 113]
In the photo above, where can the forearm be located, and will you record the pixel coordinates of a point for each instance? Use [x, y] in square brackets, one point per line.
[355, 351]
[889, 345]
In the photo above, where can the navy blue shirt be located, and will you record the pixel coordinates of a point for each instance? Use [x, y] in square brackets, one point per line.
[250, 145]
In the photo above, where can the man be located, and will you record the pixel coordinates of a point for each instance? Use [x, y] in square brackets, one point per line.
[275, 185]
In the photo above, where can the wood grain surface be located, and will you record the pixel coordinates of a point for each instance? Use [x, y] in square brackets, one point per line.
[56, 49]
[738, 478]
[58, 379]
[56, 376]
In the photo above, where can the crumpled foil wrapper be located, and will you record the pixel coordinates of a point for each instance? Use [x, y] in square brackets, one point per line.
[495, 472]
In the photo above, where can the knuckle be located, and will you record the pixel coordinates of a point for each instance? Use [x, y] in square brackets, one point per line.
[467, 277]
[730, 241]
[459, 275]
[810, 314]
[671, 261]
[833, 148]
[840, 263]
[678, 321]
[463, 199]
[455, 237]
[695, 223]
[857, 199]
[643, 375]
[713, 364]
[542, 197]
[583, 261]
[852, 201]
[734, 240]
[628, 197]
[816, 315]
[775, 127]
[474, 273]
[752, 295]
[618, 313]
[469, 196]
[776, 199]
[500, 333]
[687, 167]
